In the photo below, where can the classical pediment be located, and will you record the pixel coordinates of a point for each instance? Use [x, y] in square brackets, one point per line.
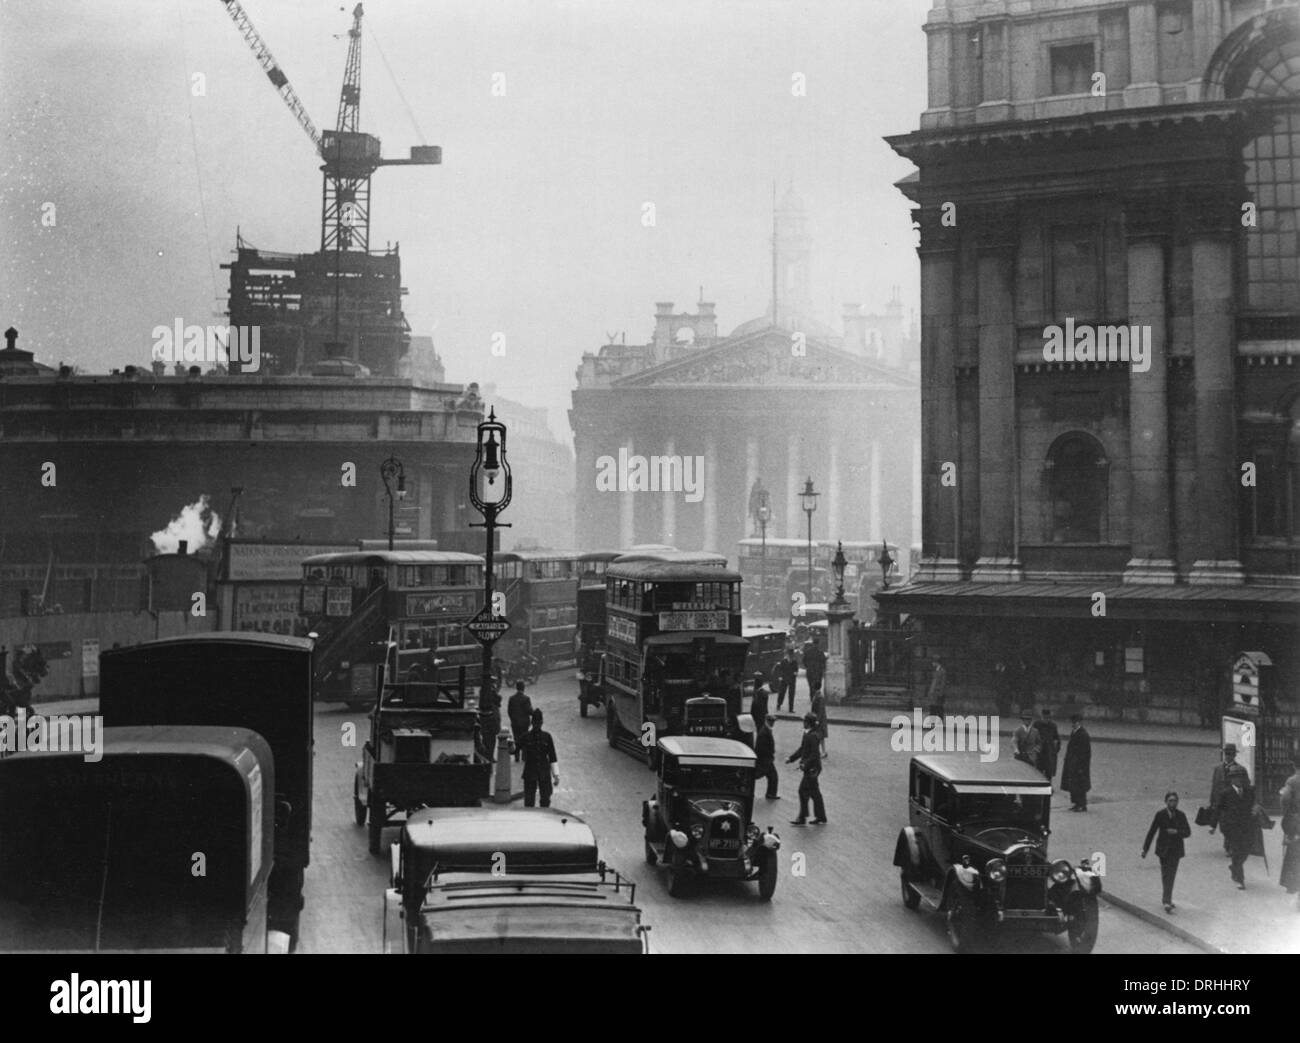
[769, 358]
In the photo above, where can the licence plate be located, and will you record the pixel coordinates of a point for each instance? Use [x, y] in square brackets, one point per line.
[1032, 872]
[724, 845]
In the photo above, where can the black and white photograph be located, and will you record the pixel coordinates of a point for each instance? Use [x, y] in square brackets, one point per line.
[727, 477]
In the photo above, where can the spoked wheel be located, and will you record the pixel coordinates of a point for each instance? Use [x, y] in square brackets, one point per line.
[1082, 929]
[911, 896]
[767, 878]
[963, 928]
[678, 875]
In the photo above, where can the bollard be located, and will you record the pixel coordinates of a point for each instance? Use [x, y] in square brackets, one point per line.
[504, 752]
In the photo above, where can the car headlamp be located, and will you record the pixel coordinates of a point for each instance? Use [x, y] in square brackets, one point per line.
[697, 832]
[1062, 871]
[996, 870]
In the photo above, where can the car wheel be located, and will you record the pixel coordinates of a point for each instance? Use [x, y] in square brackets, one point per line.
[678, 875]
[767, 878]
[963, 927]
[651, 859]
[358, 808]
[911, 896]
[377, 811]
[582, 706]
[1083, 924]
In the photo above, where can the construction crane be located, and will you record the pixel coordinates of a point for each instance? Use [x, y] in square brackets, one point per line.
[351, 156]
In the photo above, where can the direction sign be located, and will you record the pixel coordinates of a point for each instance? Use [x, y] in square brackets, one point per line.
[486, 627]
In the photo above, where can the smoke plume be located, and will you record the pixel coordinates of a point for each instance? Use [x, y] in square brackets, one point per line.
[197, 524]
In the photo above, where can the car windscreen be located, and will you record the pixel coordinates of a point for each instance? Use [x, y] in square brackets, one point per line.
[1027, 810]
[711, 778]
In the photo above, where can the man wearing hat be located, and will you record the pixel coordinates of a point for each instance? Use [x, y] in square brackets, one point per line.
[1028, 741]
[1224, 772]
[809, 756]
[520, 711]
[1076, 772]
[765, 753]
[758, 705]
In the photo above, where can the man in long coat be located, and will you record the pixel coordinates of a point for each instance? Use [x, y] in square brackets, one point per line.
[1241, 829]
[1076, 773]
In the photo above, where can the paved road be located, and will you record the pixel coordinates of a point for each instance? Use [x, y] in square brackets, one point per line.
[846, 901]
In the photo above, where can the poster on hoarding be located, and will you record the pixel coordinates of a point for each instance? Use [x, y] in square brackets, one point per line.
[267, 608]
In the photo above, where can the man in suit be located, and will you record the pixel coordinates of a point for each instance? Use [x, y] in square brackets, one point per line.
[809, 757]
[1227, 769]
[1169, 828]
[1241, 830]
[1027, 741]
[758, 704]
[765, 754]
[1076, 772]
[814, 664]
[787, 673]
[520, 711]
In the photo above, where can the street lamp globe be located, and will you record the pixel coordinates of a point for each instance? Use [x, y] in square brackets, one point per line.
[490, 484]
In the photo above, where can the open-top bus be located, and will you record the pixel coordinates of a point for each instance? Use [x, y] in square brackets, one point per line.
[674, 656]
[541, 594]
[358, 604]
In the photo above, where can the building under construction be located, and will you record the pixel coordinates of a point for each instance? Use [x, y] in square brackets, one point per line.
[336, 312]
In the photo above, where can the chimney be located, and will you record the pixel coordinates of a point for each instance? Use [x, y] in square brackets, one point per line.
[183, 547]
[706, 328]
[159, 368]
[663, 329]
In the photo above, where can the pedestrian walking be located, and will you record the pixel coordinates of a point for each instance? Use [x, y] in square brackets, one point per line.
[1290, 807]
[540, 771]
[1049, 745]
[1076, 772]
[490, 719]
[1227, 769]
[810, 763]
[758, 703]
[818, 710]
[1027, 741]
[938, 682]
[1169, 828]
[520, 712]
[787, 673]
[814, 664]
[765, 755]
[1237, 811]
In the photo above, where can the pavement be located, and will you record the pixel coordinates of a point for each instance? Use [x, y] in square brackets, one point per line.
[1209, 912]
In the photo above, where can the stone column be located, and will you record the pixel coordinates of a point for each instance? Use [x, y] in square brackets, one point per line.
[668, 502]
[875, 492]
[939, 299]
[997, 400]
[793, 483]
[751, 476]
[627, 510]
[1150, 518]
[712, 471]
[1214, 350]
[916, 502]
[1143, 41]
[832, 497]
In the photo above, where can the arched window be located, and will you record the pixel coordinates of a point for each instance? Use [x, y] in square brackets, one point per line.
[1260, 62]
[1077, 476]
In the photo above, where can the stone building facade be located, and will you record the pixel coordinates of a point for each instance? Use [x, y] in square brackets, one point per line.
[671, 435]
[1108, 198]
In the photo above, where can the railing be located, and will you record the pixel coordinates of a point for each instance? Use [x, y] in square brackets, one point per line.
[364, 627]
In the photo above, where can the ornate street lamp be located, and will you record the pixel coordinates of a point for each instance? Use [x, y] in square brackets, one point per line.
[838, 564]
[388, 470]
[809, 499]
[886, 563]
[490, 486]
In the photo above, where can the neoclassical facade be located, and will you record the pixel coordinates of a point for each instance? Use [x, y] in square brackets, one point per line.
[780, 399]
[1121, 513]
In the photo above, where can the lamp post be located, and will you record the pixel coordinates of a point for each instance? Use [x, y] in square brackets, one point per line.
[839, 615]
[388, 470]
[838, 564]
[809, 498]
[490, 486]
[764, 514]
[886, 563]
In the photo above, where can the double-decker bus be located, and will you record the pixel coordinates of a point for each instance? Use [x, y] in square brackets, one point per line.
[541, 603]
[359, 604]
[776, 575]
[674, 654]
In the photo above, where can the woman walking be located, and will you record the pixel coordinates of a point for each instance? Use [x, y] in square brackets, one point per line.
[1169, 828]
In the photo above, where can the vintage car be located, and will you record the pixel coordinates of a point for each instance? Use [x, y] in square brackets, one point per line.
[506, 880]
[699, 823]
[421, 753]
[976, 849]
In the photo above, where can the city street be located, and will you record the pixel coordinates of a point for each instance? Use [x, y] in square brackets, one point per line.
[848, 901]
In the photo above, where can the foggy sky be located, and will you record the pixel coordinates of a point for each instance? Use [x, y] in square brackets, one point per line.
[532, 225]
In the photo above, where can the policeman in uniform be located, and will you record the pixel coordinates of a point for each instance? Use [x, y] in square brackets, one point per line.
[540, 772]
